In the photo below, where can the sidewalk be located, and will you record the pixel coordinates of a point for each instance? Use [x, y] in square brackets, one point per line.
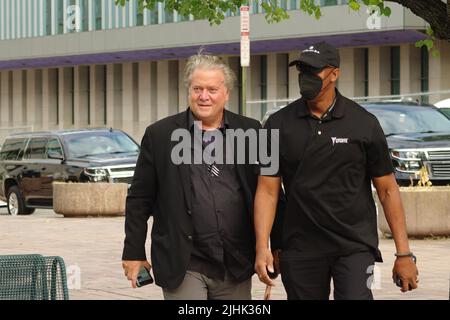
[94, 245]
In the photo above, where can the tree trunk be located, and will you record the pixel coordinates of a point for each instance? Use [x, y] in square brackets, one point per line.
[432, 11]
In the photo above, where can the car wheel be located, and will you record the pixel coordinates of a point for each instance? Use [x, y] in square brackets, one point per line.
[16, 203]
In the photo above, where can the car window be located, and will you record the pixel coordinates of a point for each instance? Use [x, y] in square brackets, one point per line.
[410, 120]
[54, 146]
[93, 144]
[11, 149]
[36, 149]
[445, 111]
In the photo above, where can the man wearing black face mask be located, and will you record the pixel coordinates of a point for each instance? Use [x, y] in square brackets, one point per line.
[331, 149]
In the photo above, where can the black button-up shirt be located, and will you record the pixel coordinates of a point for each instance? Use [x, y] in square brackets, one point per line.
[326, 166]
[222, 227]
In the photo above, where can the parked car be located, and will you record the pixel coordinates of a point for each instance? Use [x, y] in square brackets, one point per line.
[31, 162]
[444, 106]
[418, 136]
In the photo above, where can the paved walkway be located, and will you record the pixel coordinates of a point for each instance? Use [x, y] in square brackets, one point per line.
[94, 246]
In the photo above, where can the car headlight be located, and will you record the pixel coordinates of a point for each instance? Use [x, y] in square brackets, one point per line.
[96, 174]
[407, 160]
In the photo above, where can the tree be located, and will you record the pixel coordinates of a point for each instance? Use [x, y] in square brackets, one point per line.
[433, 11]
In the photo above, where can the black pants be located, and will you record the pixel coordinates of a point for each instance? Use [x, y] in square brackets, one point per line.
[310, 278]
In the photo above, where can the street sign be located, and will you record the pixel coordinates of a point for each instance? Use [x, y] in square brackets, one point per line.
[245, 20]
[245, 33]
[245, 51]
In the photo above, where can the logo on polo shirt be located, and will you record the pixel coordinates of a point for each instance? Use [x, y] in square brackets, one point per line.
[339, 140]
[311, 49]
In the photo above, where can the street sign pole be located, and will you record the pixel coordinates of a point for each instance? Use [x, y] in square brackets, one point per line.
[245, 55]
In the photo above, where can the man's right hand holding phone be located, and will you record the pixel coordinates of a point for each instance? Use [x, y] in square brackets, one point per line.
[132, 268]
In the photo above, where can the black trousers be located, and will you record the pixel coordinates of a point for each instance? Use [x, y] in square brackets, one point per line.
[310, 278]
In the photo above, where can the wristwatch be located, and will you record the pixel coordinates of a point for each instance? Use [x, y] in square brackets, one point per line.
[406, 254]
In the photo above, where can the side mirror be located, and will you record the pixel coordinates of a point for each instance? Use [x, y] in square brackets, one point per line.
[55, 155]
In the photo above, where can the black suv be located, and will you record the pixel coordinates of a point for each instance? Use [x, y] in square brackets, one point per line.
[31, 162]
[418, 136]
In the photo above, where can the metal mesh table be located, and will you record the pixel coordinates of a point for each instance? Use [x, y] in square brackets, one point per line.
[32, 277]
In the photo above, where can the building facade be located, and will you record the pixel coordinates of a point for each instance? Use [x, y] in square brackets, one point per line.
[90, 63]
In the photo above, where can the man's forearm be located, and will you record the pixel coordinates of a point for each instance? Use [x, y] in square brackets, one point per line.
[395, 216]
[265, 208]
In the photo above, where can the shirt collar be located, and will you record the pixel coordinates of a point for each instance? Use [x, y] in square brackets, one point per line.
[337, 108]
[223, 125]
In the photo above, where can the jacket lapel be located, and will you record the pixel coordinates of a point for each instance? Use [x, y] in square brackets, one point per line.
[183, 169]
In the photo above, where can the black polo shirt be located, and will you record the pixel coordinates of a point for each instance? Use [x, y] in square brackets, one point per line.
[326, 166]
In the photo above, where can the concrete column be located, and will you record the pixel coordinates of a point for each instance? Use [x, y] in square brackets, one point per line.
[254, 88]
[173, 87]
[6, 99]
[277, 86]
[81, 96]
[162, 98]
[50, 107]
[439, 71]
[409, 69]
[183, 92]
[45, 99]
[19, 98]
[294, 89]
[351, 79]
[97, 95]
[144, 98]
[379, 71]
[93, 95]
[65, 113]
[114, 95]
[33, 118]
[128, 99]
[233, 102]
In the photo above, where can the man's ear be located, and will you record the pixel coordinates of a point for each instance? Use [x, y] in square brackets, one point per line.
[335, 74]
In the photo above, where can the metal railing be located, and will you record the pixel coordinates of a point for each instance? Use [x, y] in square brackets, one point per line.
[258, 108]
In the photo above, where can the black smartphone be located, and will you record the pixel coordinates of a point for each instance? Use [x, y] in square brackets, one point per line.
[144, 278]
[272, 275]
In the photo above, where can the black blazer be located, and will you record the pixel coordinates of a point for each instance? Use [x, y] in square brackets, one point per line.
[162, 189]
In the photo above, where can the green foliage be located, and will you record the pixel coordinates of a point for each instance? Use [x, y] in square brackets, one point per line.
[215, 11]
[429, 43]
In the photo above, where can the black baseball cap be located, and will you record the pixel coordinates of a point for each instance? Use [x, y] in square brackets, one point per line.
[318, 55]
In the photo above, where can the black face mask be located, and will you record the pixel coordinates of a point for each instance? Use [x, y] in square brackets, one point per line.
[310, 84]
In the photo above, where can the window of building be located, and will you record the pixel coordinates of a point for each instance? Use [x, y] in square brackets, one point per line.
[424, 72]
[325, 3]
[283, 4]
[263, 82]
[395, 70]
[154, 15]
[98, 15]
[255, 6]
[366, 72]
[72, 76]
[168, 16]
[139, 15]
[294, 5]
[48, 17]
[105, 95]
[60, 17]
[85, 15]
